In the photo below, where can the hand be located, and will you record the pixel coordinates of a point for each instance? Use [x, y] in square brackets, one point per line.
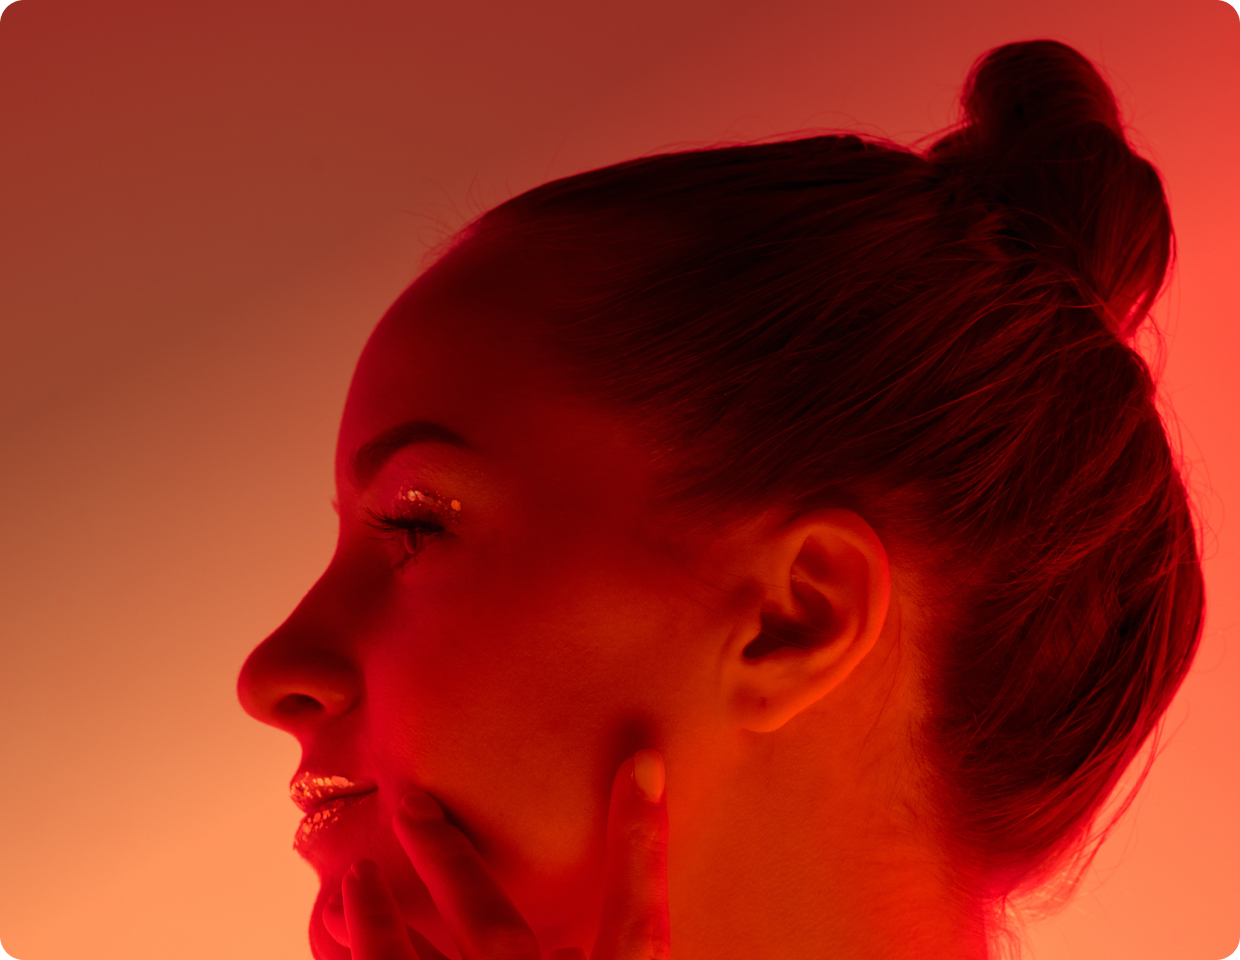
[483, 921]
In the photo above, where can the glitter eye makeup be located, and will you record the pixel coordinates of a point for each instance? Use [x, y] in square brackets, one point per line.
[418, 515]
[429, 498]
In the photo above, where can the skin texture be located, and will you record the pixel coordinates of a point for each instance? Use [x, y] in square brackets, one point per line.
[482, 918]
[508, 663]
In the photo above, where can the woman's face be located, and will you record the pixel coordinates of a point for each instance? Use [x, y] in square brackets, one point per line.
[504, 620]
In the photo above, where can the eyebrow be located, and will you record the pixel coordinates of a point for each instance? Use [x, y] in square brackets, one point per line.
[373, 454]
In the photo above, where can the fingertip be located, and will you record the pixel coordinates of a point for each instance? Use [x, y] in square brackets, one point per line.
[419, 805]
[373, 923]
[365, 870]
[649, 775]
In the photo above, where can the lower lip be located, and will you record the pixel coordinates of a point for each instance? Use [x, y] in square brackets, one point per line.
[314, 824]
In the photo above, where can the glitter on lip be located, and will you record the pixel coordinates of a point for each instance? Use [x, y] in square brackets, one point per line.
[323, 798]
[311, 791]
[315, 823]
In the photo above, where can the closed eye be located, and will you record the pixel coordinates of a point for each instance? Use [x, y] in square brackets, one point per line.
[411, 532]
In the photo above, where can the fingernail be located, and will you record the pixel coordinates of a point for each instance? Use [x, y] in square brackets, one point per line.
[367, 871]
[420, 805]
[649, 775]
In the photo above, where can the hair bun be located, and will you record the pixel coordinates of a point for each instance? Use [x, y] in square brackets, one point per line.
[1041, 135]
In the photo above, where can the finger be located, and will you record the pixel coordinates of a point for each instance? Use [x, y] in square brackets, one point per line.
[376, 927]
[635, 923]
[482, 920]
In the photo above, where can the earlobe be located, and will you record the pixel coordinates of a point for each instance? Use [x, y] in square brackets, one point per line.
[828, 591]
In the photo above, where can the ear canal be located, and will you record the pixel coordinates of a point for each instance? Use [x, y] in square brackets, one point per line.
[779, 631]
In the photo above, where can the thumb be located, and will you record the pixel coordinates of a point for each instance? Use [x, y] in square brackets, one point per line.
[634, 923]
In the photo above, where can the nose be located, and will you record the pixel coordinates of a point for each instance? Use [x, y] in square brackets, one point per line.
[300, 676]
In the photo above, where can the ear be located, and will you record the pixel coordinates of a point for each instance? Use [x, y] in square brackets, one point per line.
[826, 590]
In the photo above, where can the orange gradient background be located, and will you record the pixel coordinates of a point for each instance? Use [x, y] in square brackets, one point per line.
[204, 208]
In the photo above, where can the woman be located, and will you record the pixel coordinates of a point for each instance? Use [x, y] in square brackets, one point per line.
[821, 469]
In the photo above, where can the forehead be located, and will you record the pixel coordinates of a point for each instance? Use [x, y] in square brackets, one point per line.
[467, 347]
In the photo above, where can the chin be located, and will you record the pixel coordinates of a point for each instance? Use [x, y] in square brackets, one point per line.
[322, 944]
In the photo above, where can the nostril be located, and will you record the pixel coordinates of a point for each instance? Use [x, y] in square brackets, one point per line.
[291, 685]
[295, 704]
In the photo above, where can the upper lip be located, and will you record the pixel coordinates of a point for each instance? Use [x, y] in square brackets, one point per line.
[312, 790]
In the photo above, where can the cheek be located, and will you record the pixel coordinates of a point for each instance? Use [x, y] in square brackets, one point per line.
[517, 685]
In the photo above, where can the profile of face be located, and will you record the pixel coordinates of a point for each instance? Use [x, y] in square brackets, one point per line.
[868, 742]
[509, 614]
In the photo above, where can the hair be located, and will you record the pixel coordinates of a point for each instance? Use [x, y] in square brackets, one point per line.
[940, 341]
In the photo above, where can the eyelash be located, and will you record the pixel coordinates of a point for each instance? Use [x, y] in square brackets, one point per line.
[401, 528]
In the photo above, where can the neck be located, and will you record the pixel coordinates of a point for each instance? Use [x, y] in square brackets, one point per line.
[800, 849]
